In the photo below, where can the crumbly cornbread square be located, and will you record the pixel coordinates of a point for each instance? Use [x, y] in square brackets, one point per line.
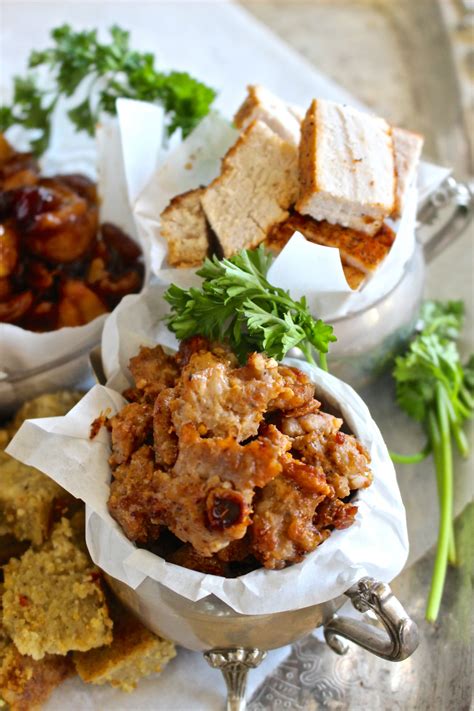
[29, 501]
[134, 653]
[54, 601]
[25, 683]
[46, 405]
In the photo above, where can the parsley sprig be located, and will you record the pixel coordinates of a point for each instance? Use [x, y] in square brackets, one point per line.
[105, 72]
[237, 304]
[435, 389]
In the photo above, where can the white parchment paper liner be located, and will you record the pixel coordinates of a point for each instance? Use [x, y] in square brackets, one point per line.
[302, 267]
[22, 350]
[375, 545]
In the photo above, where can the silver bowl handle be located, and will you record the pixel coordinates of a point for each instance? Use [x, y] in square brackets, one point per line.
[445, 216]
[397, 642]
[234, 665]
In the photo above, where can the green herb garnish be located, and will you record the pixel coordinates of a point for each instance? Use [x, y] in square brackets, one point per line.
[238, 305]
[435, 389]
[112, 70]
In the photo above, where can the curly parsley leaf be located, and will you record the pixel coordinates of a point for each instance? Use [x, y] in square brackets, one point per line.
[236, 303]
[105, 71]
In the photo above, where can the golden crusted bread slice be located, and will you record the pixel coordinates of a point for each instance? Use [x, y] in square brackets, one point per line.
[185, 228]
[262, 105]
[347, 172]
[407, 148]
[356, 248]
[257, 185]
[134, 653]
[53, 601]
[283, 232]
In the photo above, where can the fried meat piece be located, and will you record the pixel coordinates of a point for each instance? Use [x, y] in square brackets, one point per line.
[130, 429]
[189, 558]
[213, 482]
[134, 500]
[199, 344]
[225, 402]
[283, 529]
[298, 390]
[153, 371]
[342, 456]
[333, 513]
[164, 437]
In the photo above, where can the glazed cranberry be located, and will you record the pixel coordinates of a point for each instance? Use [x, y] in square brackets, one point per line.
[30, 201]
[225, 508]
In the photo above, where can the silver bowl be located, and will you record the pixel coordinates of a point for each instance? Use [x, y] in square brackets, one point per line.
[235, 643]
[367, 340]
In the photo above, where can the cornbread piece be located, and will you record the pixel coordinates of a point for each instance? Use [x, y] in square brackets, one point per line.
[53, 600]
[134, 653]
[185, 228]
[262, 105]
[47, 405]
[283, 529]
[407, 148]
[11, 547]
[257, 185]
[347, 171]
[29, 501]
[24, 682]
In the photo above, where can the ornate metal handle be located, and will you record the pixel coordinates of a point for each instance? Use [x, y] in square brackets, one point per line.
[445, 216]
[400, 638]
[234, 665]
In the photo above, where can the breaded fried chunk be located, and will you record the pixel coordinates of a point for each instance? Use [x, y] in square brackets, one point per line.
[134, 653]
[134, 497]
[222, 401]
[243, 466]
[152, 370]
[53, 600]
[257, 185]
[214, 480]
[184, 226]
[283, 529]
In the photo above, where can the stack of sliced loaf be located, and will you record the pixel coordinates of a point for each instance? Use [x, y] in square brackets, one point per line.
[334, 175]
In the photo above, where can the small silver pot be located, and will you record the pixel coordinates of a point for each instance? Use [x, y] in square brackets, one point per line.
[235, 643]
[367, 340]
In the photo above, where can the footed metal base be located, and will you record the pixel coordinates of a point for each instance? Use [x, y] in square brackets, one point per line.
[234, 665]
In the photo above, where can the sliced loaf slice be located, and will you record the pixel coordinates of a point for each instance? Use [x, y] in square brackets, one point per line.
[257, 185]
[185, 228]
[407, 147]
[262, 105]
[347, 172]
